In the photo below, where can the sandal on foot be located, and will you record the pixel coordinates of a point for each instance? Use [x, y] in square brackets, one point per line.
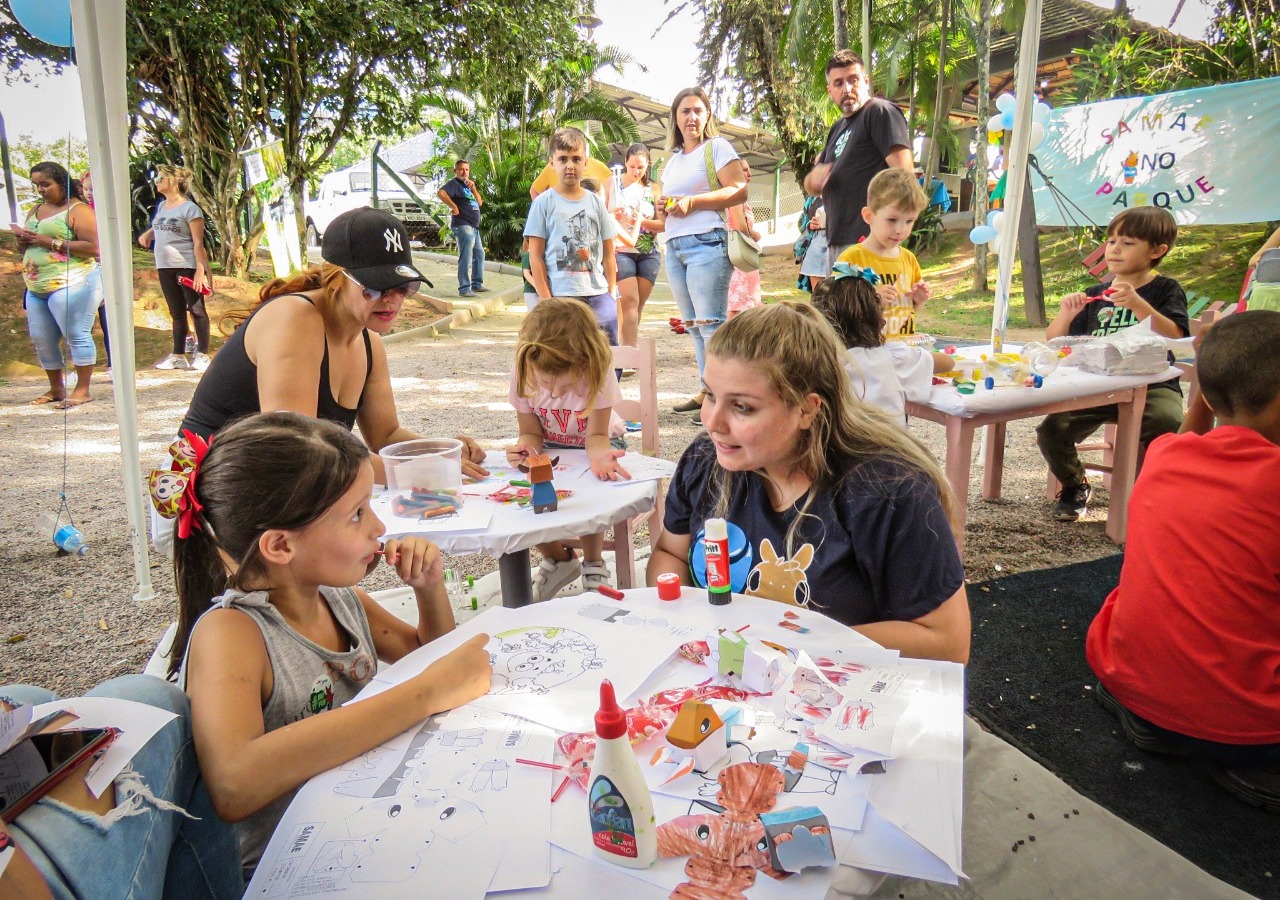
[45, 398]
[73, 402]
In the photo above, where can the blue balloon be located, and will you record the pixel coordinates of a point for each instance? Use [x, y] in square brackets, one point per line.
[991, 217]
[981, 234]
[47, 20]
[1007, 120]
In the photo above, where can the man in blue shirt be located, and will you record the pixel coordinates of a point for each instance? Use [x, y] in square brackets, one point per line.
[463, 198]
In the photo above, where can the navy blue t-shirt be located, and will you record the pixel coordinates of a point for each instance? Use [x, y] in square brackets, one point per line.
[465, 200]
[874, 547]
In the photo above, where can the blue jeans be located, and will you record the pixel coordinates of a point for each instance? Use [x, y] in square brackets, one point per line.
[699, 270]
[606, 312]
[156, 853]
[470, 252]
[66, 313]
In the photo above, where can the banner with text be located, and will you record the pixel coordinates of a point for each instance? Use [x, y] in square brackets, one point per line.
[1208, 155]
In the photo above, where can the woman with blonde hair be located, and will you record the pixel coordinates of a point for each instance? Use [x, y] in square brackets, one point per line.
[176, 237]
[701, 179]
[843, 512]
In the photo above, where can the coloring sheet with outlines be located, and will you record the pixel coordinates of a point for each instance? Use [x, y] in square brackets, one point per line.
[551, 673]
[443, 811]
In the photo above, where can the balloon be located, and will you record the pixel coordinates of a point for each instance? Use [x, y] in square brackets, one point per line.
[1006, 121]
[993, 137]
[1037, 136]
[47, 20]
[1006, 103]
[981, 234]
[996, 122]
[1040, 112]
[997, 221]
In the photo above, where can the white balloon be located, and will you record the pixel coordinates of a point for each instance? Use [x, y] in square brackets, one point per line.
[1040, 112]
[1006, 102]
[997, 221]
[996, 122]
[1037, 136]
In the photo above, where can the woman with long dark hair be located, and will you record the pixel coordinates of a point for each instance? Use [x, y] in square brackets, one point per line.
[64, 286]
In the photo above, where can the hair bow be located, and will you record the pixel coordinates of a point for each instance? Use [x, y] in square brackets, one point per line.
[848, 270]
[173, 490]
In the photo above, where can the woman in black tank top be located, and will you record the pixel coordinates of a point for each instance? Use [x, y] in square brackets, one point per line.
[307, 345]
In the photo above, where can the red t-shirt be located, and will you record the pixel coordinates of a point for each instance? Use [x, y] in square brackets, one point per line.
[1190, 640]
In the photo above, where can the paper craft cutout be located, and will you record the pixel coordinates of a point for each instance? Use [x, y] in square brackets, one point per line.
[798, 837]
[727, 847]
[540, 467]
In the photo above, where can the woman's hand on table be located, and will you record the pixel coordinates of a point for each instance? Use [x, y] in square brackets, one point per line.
[472, 458]
[416, 560]
[605, 466]
[458, 677]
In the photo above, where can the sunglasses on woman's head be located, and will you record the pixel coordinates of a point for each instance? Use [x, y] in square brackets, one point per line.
[409, 288]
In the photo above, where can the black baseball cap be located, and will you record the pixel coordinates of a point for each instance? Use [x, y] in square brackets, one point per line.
[373, 246]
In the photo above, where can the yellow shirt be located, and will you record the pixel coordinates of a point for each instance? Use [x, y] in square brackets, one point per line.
[595, 169]
[45, 270]
[901, 271]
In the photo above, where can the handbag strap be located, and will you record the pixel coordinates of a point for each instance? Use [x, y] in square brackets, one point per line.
[712, 179]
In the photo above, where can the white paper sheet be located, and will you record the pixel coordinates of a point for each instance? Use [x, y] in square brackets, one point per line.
[442, 811]
[474, 515]
[549, 658]
[138, 723]
[641, 468]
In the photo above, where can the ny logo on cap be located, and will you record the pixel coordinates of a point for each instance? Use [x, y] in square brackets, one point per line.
[393, 240]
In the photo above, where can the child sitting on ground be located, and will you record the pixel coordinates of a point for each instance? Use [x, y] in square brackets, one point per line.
[1187, 648]
[894, 202]
[571, 235]
[275, 530]
[564, 389]
[1137, 240]
[884, 375]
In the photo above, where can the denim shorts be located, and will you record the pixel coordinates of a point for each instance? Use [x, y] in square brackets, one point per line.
[638, 265]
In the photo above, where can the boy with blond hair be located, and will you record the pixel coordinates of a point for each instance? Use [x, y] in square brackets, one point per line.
[571, 234]
[894, 202]
[1137, 240]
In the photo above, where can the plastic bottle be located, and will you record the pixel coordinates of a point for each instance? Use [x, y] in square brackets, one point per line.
[619, 806]
[715, 540]
[65, 535]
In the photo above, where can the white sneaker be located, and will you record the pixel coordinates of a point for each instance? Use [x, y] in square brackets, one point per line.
[551, 577]
[107, 374]
[173, 361]
[595, 574]
[200, 362]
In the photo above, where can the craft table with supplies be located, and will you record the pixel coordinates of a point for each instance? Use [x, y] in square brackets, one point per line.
[1066, 389]
[493, 522]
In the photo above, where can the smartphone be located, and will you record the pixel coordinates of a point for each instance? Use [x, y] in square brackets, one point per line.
[31, 768]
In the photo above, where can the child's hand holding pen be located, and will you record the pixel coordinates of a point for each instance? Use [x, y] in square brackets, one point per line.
[517, 455]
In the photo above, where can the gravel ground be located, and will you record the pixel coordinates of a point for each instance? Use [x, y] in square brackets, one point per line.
[70, 622]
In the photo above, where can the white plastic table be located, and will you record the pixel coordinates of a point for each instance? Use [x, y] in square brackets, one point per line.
[1066, 389]
[512, 530]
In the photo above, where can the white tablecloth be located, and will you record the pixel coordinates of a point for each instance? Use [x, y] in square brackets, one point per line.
[1067, 383]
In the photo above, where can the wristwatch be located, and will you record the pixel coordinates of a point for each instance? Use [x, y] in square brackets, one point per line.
[58, 244]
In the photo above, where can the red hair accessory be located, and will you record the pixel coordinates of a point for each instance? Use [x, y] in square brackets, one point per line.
[173, 490]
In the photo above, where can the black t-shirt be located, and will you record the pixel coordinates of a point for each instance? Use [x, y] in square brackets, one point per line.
[465, 200]
[1102, 317]
[856, 147]
[874, 547]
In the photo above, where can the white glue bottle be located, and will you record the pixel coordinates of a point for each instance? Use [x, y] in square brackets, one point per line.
[619, 806]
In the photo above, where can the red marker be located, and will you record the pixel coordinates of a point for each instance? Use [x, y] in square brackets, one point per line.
[611, 592]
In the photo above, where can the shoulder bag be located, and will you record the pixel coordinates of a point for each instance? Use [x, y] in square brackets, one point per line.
[744, 251]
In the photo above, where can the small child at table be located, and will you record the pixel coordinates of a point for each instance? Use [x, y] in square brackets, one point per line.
[886, 375]
[274, 531]
[563, 388]
[1137, 240]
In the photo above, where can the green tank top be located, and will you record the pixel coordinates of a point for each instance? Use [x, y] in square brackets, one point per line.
[45, 270]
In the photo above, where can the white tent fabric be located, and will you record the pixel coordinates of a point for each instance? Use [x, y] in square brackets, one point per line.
[98, 28]
[1025, 90]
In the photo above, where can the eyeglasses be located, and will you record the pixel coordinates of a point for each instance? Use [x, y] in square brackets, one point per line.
[409, 288]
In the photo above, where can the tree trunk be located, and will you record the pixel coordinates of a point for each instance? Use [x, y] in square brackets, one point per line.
[979, 175]
[1029, 250]
[840, 19]
[941, 103]
[866, 35]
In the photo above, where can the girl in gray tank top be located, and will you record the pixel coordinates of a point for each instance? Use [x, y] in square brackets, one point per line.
[274, 531]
